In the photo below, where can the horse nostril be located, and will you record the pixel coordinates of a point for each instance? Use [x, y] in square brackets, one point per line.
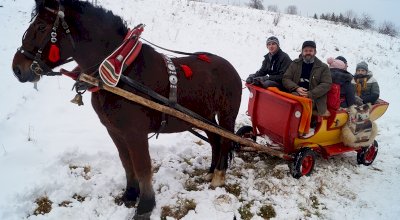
[17, 71]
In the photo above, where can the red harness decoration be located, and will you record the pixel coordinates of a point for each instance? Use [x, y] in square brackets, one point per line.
[112, 67]
[187, 71]
[204, 58]
[54, 53]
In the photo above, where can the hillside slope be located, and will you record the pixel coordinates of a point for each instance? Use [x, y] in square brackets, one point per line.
[51, 148]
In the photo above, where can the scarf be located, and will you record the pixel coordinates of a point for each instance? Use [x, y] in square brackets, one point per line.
[361, 85]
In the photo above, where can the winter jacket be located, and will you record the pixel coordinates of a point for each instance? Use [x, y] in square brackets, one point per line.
[344, 78]
[320, 82]
[274, 67]
[366, 87]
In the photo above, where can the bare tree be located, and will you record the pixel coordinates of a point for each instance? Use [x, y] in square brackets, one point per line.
[333, 17]
[257, 4]
[354, 23]
[277, 19]
[388, 28]
[292, 10]
[366, 21]
[341, 18]
[350, 14]
[273, 8]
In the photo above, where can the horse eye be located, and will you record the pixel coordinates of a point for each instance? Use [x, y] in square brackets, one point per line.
[41, 27]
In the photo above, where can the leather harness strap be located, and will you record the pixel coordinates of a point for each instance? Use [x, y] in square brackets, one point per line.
[173, 87]
[173, 79]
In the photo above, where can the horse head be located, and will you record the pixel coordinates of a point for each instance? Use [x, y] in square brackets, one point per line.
[40, 50]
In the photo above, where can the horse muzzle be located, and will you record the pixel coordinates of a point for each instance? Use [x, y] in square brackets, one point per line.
[28, 75]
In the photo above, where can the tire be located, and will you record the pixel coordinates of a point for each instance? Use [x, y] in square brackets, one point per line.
[245, 132]
[304, 163]
[367, 155]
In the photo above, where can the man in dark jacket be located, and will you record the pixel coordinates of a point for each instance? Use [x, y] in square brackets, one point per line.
[273, 67]
[308, 77]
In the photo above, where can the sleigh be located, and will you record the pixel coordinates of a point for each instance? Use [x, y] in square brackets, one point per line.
[286, 122]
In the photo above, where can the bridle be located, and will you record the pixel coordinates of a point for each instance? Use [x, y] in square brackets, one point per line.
[38, 66]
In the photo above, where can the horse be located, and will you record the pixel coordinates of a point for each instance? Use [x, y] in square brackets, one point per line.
[88, 34]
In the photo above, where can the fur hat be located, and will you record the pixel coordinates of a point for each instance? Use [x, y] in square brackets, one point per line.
[273, 39]
[309, 43]
[363, 65]
[336, 63]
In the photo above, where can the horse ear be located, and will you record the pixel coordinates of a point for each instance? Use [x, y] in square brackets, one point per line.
[46, 3]
[39, 2]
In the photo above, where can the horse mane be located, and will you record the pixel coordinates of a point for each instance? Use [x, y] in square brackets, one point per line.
[85, 7]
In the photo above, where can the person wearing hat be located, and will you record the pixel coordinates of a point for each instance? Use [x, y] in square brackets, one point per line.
[366, 86]
[309, 77]
[341, 58]
[273, 67]
[343, 78]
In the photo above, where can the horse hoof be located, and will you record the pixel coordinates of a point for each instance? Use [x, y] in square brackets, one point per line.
[144, 216]
[130, 196]
[218, 179]
[209, 177]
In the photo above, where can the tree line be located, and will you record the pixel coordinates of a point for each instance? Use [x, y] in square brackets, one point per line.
[349, 18]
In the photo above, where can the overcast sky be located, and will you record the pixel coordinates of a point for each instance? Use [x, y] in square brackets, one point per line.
[380, 10]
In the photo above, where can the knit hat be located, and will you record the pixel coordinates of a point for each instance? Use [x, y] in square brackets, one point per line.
[273, 39]
[342, 59]
[336, 63]
[363, 65]
[309, 43]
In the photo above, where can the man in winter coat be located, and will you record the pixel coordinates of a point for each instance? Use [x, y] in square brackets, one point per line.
[366, 86]
[343, 78]
[308, 77]
[273, 67]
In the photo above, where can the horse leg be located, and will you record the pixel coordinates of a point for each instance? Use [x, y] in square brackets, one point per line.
[214, 141]
[140, 159]
[228, 123]
[132, 184]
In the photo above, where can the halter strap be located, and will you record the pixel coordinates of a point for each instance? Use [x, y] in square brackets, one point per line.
[38, 66]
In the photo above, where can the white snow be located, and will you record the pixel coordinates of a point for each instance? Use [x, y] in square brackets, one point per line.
[46, 142]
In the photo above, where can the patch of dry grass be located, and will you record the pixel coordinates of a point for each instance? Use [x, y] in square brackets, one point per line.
[65, 204]
[78, 197]
[182, 207]
[44, 206]
[267, 212]
[245, 211]
[233, 189]
[85, 173]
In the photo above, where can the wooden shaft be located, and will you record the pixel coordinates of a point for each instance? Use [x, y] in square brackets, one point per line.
[170, 111]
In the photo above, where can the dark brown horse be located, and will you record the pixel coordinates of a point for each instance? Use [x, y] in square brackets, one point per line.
[214, 91]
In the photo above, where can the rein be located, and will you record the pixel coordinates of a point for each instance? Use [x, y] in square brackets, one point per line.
[172, 51]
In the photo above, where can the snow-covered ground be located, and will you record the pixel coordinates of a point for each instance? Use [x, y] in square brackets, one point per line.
[52, 148]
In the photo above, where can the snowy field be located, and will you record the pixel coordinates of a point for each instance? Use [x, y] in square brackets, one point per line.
[50, 148]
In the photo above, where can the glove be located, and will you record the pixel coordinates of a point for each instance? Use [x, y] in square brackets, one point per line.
[261, 78]
[358, 101]
[250, 80]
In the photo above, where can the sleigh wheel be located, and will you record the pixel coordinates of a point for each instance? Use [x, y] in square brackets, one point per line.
[367, 155]
[245, 132]
[304, 163]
